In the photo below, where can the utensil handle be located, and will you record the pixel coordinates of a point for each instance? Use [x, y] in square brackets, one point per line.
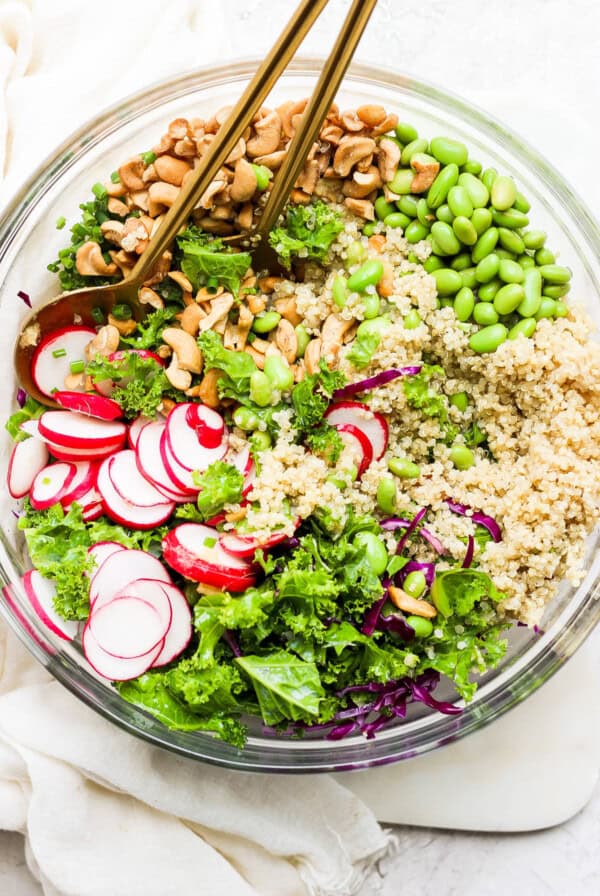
[316, 111]
[229, 133]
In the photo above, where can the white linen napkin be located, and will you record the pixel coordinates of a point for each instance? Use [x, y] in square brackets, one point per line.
[102, 812]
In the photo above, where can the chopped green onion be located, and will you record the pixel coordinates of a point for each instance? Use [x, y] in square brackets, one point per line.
[210, 542]
[99, 191]
[148, 158]
[122, 312]
[77, 366]
[98, 315]
[59, 353]
[60, 223]
[263, 176]
[212, 284]
[115, 177]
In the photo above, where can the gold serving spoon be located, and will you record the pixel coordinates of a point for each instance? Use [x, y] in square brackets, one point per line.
[78, 306]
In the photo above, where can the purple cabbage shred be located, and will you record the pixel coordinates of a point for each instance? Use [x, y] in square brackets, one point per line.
[372, 382]
[428, 570]
[482, 519]
[413, 525]
[231, 641]
[469, 553]
[433, 540]
[21, 397]
[25, 297]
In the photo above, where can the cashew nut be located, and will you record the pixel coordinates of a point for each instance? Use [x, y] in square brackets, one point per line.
[171, 170]
[237, 152]
[244, 182]
[286, 306]
[179, 379]
[272, 160]
[362, 183]
[134, 236]
[411, 605]
[371, 114]
[181, 280]
[147, 296]
[385, 287]
[332, 335]
[267, 136]
[350, 151]
[185, 349]
[312, 356]
[179, 128]
[206, 200]
[388, 124]
[105, 342]
[208, 391]
[123, 260]
[89, 261]
[388, 159]
[256, 304]
[257, 357]
[118, 208]
[286, 340]
[361, 207]
[131, 174]
[159, 195]
[125, 327]
[245, 216]
[309, 176]
[425, 176]
[112, 231]
[351, 121]
[220, 308]
[190, 318]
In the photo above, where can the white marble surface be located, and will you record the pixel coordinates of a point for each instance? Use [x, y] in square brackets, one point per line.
[535, 65]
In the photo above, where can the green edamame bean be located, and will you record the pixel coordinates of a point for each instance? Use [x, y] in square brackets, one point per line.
[448, 151]
[510, 241]
[397, 219]
[460, 400]
[488, 177]
[532, 286]
[557, 291]
[561, 310]
[503, 192]
[504, 253]
[355, 254]
[339, 291]
[260, 441]
[412, 257]
[487, 268]
[481, 219]
[526, 261]
[469, 277]
[414, 584]
[521, 203]
[487, 291]
[464, 302]
[421, 626]
[415, 232]
[445, 303]
[460, 201]
[412, 319]
[488, 339]
[378, 326]
[371, 306]
[424, 213]
[263, 176]
[261, 389]
[374, 550]
[383, 208]
[265, 322]
[415, 146]
[447, 178]
[508, 298]
[471, 166]
[554, 273]
[386, 494]
[434, 246]
[279, 373]
[368, 274]
[445, 238]
[447, 281]
[534, 239]
[407, 205]
[512, 219]
[464, 230]
[525, 327]
[547, 308]
[369, 228]
[478, 192]
[460, 262]
[444, 214]
[485, 314]
[433, 263]
[404, 468]
[402, 181]
[461, 456]
[303, 339]
[511, 271]
[245, 419]
[485, 245]
[405, 132]
[544, 256]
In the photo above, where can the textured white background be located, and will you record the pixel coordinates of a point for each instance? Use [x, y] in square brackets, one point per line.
[535, 64]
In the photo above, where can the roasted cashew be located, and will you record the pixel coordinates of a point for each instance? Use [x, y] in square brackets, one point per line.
[90, 262]
[312, 356]
[112, 231]
[286, 340]
[147, 296]
[332, 335]
[131, 174]
[220, 308]
[371, 115]
[425, 176]
[185, 349]
[243, 186]
[388, 159]
[125, 327]
[350, 151]
[411, 605]
[105, 342]
[268, 135]
[361, 207]
[171, 170]
[207, 390]
[161, 194]
[179, 379]
[190, 318]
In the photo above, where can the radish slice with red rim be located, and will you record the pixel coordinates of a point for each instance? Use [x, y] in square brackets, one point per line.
[89, 404]
[246, 545]
[83, 482]
[183, 443]
[74, 430]
[104, 549]
[41, 593]
[195, 551]
[129, 482]
[26, 460]
[181, 476]
[114, 668]
[135, 429]
[150, 463]
[128, 627]
[180, 631]
[92, 512]
[50, 484]
[207, 423]
[51, 363]
[122, 511]
[120, 569]
[359, 444]
[373, 425]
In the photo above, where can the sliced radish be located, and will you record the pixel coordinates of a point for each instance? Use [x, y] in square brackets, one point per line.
[183, 443]
[41, 593]
[73, 430]
[180, 631]
[360, 446]
[26, 461]
[11, 599]
[82, 482]
[152, 592]
[209, 425]
[246, 545]
[121, 511]
[104, 549]
[355, 413]
[129, 482]
[195, 552]
[182, 477]
[128, 627]
[95, 454]
[48, 371]
[150, 463]
[120, 569]
[135, 429]
[32, 428]
[50, 484]
[241, 460]
[112, 667]
[92, 512]
[89, 404]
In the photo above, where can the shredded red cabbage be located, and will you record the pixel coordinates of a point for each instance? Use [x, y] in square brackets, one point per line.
[372, 615]
[413, 525]
[469, 553]
[396, 624]
[21, 397]
[433, 540]
[232, 643]
[372, 382]
[482, 519]
[428, 570]
[25, 297]
[394, 522]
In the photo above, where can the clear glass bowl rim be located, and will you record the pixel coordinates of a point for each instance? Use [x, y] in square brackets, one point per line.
[513, 686]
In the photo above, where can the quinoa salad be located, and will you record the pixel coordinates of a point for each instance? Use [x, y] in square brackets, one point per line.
[306, 497]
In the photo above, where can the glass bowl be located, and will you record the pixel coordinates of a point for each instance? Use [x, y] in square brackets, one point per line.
[29, 239]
